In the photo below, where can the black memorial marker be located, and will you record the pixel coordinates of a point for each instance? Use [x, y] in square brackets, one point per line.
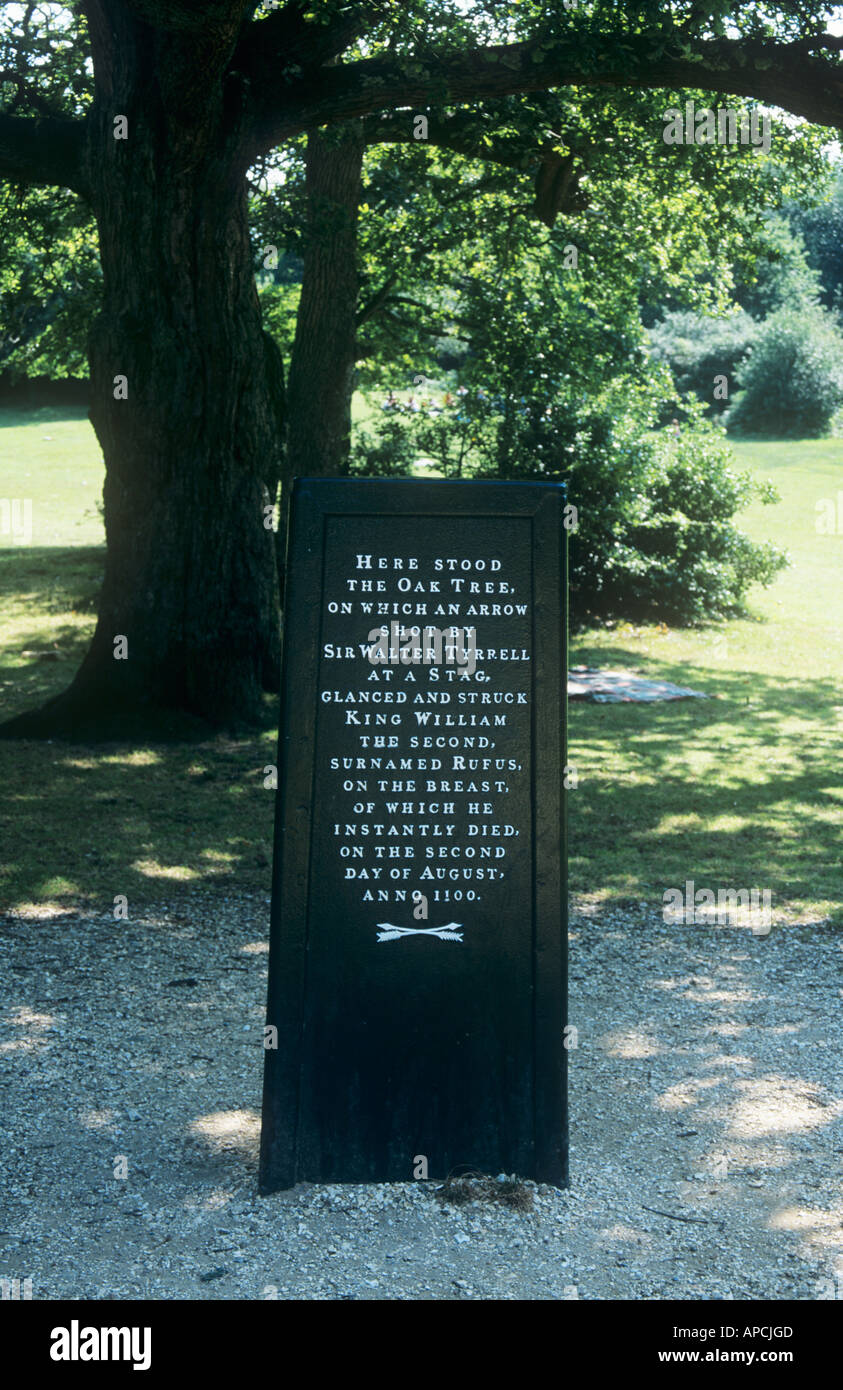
[417, 969]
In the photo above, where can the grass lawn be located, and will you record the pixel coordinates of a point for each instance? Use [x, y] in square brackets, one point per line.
[743, 790]
[79, 825]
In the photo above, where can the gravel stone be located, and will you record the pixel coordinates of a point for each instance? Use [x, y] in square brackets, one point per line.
[706, 1125]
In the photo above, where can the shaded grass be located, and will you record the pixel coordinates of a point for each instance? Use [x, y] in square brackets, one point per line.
[52, 457]
[79, 825]
[740, 791]
[745, 790]
[155, 824]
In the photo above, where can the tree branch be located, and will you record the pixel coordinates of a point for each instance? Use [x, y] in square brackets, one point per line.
[461, 132]
[188, 16]
[26, 93]
[377, 300]
[557, 177]
[783, 75]
[286, 39]
[43, 150]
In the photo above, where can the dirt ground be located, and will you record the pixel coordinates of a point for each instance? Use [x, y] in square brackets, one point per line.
[706, 1133]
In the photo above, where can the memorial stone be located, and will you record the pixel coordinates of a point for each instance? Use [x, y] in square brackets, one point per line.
[417, 972]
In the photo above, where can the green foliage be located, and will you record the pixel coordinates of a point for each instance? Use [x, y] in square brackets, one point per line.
[50, 283]
[697, 349]
[49, 268]
[783, 278]
[821, 231]
[385, 448]
[656, 537]
[279, 307]
[680, 556]
[559, 385]
[45, 67]
[792, 378]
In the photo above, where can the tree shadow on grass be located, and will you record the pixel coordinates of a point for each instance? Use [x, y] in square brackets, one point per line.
[50, 586]
[740, 790]
[14, 417]
[83, 823]
[86, 824]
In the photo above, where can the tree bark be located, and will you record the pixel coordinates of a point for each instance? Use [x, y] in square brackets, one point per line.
[324, 355]
[192, 453]
[803, 76]
[321, 377]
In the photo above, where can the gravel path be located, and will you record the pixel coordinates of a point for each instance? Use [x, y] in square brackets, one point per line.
[707, 1143]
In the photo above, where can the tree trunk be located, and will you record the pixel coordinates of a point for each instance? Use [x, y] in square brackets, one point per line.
[321, 378]
[186, 399]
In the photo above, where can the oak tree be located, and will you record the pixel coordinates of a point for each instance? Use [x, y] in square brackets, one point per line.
[170, 104]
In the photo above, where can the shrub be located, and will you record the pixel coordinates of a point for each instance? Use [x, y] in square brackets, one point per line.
[386, 448]
[792, 379]
[697, 349]
[656, 537]
[783, 278]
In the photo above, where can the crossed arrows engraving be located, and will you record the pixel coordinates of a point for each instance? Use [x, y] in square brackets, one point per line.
[450, 932]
